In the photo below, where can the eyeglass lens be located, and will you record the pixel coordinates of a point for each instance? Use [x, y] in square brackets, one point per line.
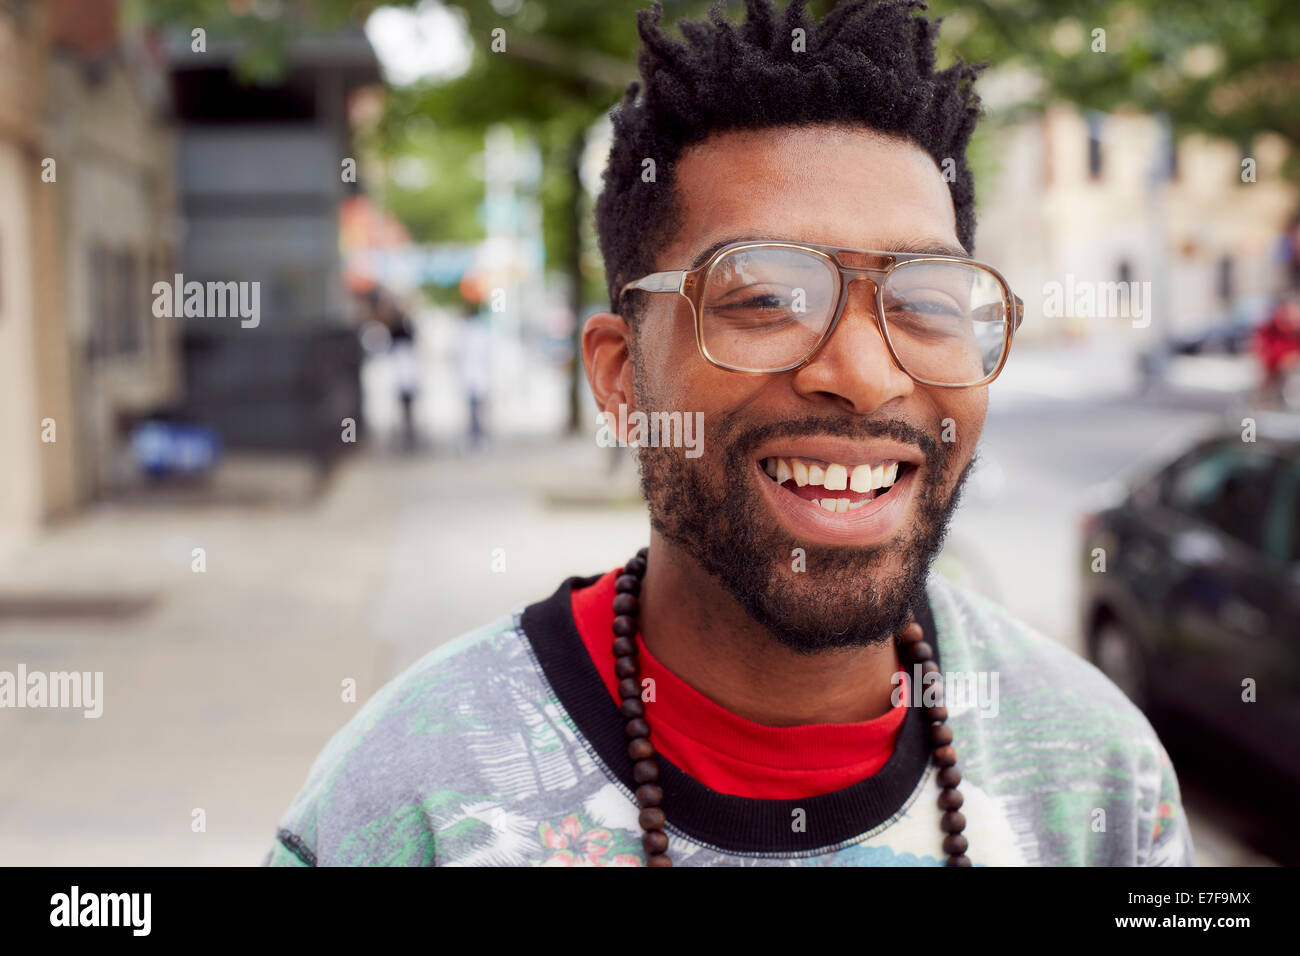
[767, 307]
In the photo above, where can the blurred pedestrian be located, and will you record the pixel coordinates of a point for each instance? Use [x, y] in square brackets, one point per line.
[406, 372]
[1276, 343]
[474, 364]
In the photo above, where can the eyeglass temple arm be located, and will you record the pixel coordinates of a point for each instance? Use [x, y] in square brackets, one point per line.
[658, 282]
[1018, 315]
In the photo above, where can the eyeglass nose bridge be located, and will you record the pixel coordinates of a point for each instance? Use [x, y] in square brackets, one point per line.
[862, 266]
[848, 277]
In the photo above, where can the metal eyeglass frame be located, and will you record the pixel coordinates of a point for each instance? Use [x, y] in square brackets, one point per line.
[690, 283]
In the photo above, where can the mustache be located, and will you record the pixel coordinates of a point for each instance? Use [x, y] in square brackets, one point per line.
[746, 439]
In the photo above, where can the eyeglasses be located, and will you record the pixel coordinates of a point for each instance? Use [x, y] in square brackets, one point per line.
[767, 307]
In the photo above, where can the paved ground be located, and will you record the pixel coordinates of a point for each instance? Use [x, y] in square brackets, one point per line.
[221, 686]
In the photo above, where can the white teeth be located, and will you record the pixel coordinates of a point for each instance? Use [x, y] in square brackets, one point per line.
[833, 477]
[861, 480]
[839, 505]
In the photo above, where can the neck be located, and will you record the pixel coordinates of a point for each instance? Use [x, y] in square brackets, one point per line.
[695, 628]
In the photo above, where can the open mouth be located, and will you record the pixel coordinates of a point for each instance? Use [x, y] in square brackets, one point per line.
[834, 486]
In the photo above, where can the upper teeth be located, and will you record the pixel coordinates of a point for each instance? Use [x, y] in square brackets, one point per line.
[834, 476]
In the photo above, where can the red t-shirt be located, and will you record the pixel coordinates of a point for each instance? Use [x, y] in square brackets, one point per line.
[728, 753]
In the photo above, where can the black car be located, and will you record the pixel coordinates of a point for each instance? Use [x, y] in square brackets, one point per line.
[1191, 604]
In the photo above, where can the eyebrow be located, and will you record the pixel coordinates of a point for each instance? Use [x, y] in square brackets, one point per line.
[921, 246]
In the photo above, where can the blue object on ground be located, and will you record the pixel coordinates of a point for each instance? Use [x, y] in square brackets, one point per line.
[163, 448]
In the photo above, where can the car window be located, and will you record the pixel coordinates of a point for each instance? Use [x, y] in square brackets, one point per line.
[1283, 532]
[1227, 486]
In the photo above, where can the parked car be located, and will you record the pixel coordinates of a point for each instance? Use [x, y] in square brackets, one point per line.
[1191, 604]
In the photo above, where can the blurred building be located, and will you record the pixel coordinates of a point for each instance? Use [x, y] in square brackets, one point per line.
[262, 171]
[1094, 198]
[85, 184]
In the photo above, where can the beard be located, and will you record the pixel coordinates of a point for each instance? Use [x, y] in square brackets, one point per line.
[847, 596]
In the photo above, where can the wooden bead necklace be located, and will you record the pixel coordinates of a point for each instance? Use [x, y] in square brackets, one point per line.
[645, 770]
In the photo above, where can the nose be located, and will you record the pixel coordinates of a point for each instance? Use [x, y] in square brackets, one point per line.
[854, 367]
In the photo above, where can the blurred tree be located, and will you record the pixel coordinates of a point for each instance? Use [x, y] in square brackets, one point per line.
[1225, 69]
[563, 66]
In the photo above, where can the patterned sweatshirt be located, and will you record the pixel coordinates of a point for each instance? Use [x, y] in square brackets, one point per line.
[504, 748]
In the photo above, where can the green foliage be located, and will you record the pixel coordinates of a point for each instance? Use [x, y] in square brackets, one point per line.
[262, 29]
[1225, 69]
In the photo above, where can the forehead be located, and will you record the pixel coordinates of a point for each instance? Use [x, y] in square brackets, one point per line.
[847, 187]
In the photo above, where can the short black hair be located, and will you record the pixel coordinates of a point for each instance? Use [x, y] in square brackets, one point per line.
[866, 63]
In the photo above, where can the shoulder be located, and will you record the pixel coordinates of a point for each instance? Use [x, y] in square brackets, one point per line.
[1061, 744]
[371, 792]
[1047, 677]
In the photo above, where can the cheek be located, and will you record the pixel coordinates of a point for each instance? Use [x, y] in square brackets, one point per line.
[969, 415]
[966, 409]
[676, 376]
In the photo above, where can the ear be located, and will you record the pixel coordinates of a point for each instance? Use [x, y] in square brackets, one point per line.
[607, 355]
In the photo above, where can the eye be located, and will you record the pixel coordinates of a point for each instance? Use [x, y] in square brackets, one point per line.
[931, 306]
[753, 297]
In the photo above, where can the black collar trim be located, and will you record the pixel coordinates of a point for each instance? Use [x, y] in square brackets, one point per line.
[729, 823]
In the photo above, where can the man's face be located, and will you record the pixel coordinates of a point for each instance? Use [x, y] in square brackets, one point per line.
[859, 570]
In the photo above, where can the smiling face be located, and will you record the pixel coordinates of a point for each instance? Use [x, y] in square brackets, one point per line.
[845, 457]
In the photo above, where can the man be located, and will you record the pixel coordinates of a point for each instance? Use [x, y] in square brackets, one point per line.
[796, 270]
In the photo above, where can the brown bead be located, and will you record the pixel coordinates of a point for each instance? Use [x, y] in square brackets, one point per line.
[945, 756]
[629, 687]
[647, 771]
[659, 859]
[911, 634]
[949, 777]
[654, 841]
[625, 626]
[627, 584]
[624, 647]
[632, 708]
[950, 799]
[649, 794]
[955, 844]
[635, 566]
[921, 651]
[626, 667]
[643, 553]
[626, 604]
[637, 728]
[651, 818]
[929, 667]
[958, 861]
[940, 734]
[953, 822]
[937, 713]
[640, 749]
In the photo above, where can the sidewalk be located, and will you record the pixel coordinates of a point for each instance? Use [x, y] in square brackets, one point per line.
[220, 687]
